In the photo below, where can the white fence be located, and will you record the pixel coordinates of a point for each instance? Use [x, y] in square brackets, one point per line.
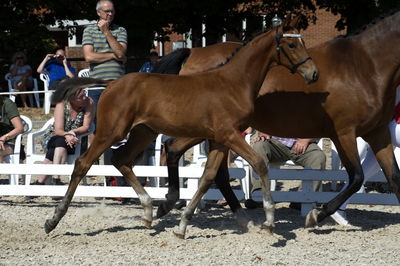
[307, 197]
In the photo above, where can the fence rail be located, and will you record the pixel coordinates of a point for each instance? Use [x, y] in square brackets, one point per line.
[306, 197]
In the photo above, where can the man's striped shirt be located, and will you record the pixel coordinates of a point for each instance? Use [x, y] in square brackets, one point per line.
[111, 69]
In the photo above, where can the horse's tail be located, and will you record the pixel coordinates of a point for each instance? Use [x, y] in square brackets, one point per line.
[66, 88]
[172, 63]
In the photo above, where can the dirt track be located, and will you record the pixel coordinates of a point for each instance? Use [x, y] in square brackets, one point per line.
[96, 232]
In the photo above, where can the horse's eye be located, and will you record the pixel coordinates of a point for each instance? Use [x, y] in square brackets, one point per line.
[292, 45]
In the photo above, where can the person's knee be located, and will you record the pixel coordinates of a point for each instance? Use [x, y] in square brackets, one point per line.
[318, 160]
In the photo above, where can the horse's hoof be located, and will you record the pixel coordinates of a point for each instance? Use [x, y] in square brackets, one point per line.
[161, 211]
[146, 223]
[48, 226]
[312, 218]
[180, 236]
[269, 228]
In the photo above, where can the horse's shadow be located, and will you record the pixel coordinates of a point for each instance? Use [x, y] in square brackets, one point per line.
[287, 222]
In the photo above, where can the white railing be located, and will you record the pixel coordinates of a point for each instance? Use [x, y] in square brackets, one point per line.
[306, 197]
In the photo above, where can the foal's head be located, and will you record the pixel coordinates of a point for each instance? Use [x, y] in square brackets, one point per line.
[291, 51]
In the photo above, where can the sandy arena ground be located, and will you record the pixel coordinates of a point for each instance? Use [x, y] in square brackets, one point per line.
[105, 232]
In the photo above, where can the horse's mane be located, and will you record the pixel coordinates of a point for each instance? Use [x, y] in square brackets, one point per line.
[229, 57]
[171, 63]
[244, 43]
[370, 24]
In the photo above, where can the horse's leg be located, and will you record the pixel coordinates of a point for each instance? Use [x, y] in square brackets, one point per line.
[139, 138]
[347, 149]
[243, 149]
[215, 158]
[381, 143]
[222, 181]
[174, 148]
[82, 165]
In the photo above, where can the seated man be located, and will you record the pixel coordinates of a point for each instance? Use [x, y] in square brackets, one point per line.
[304, 152]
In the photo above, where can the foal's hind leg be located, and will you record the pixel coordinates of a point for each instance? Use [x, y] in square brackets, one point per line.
[82, 165]
[174, 148]
[215, 157]
[140, 137]
[243, 149]
[222, 181]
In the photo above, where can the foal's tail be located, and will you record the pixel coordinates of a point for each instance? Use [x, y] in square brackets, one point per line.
[172, 63]
[66, 88]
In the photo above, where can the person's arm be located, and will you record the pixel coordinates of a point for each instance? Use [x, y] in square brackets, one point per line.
[18, 129]
[262, 137]
[118, 48]
[66, 67]
[301, 145]
[41, 68]
[92, 57]
[70, 136]
[87, 119]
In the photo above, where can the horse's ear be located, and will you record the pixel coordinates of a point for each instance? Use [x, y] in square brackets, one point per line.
[291, 23]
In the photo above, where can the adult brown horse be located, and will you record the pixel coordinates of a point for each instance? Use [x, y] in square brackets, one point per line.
[215, 105]
[357, 85]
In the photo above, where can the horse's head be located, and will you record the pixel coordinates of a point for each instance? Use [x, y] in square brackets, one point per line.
[292, 53]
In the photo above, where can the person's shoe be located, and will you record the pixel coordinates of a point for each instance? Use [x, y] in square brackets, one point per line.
[252, 204]
[57, 182]
[340, 218]
[295, 206]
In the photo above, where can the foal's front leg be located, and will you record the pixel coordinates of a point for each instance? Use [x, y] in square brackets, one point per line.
[214, 159]
[82, 166]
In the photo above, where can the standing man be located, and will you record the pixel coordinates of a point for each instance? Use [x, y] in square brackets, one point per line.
[104, 48]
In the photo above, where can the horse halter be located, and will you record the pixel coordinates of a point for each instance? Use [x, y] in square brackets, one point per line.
[278, 38]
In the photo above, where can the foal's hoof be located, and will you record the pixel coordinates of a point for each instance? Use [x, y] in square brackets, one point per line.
[269, 228]
[146, 223]
[312, 218]
[178, 235]
[49, 226]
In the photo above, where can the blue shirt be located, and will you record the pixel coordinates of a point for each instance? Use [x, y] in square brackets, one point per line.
[56, 70]
[147, 67]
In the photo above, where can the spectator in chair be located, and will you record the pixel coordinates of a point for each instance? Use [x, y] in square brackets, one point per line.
[10, 126]
[149, 65]
[72, 117]
[57, 66]
[21, 75]
[304, 152]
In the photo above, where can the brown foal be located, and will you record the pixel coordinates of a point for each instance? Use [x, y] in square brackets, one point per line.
[216, 105]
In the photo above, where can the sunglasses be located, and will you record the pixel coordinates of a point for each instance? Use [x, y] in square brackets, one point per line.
[19, 57]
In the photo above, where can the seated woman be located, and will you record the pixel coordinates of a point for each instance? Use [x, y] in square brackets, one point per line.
[10, 126]
[72, 117]
[21, 75]
[57, 66]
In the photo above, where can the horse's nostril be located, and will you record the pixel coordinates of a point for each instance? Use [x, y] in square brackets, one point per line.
[315, 76]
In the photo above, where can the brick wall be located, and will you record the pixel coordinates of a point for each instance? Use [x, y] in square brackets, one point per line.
[76, 53]
[324, 29]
